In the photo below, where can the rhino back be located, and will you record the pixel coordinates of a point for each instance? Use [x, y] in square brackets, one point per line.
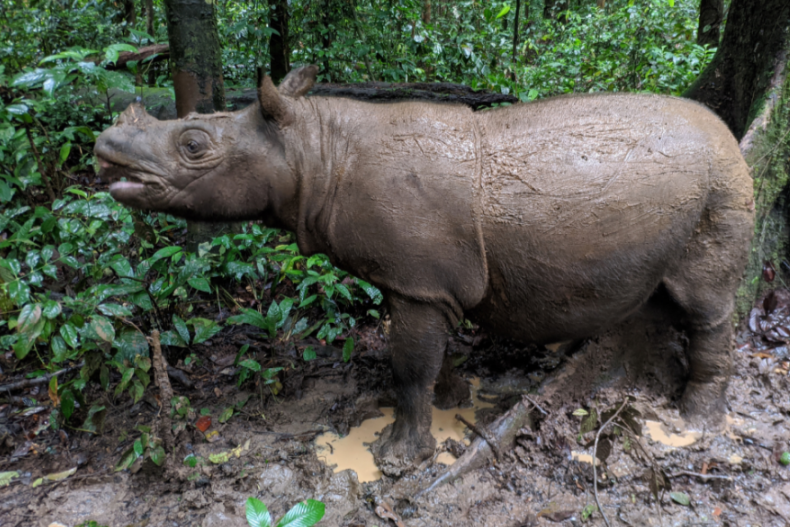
[587, 201]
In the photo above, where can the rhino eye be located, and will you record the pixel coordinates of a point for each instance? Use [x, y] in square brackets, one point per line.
[193, 147]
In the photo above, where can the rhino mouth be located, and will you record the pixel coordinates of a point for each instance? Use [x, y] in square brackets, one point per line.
[128, 183]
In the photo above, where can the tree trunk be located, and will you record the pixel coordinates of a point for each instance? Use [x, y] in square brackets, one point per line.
[551, 9]
[736, 77]
[711, 14]
[196, 65]
[326, 35]
[278, 42]
[426, 11]
[129, 13]
[515, 30]
[149, 28]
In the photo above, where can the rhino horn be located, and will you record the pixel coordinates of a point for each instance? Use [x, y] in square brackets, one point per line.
[296, 84]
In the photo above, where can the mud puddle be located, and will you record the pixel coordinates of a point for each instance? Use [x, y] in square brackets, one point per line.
[352, 452]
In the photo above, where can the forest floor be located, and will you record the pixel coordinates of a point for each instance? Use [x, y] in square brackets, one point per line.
[729, 476]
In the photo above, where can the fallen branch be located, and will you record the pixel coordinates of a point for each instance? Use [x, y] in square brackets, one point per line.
[165, 390]
[481, 432]
[157, 51]
[697, 475]
[536, 405]
[502, 432]
[595, 453]
[25, 383]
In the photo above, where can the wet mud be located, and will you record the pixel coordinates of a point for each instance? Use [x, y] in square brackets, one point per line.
[731, 475]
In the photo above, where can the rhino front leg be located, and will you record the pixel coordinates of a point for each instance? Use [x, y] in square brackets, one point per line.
[418, 337]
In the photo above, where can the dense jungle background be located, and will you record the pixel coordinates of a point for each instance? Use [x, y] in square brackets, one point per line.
[91, 292]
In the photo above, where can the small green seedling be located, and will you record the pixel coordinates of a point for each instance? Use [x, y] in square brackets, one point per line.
[784, 459]
[303, 514]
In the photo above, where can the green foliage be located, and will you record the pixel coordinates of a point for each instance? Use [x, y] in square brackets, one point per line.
[145, 447]
[303, 514]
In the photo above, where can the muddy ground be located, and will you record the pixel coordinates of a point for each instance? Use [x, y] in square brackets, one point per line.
[732, 476]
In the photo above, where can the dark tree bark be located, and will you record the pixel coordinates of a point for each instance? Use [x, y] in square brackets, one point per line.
[711, 14]
[326, 34]
[739, 72]
[426, 11]
[149, 28]
[279, 53]
[515, 30]
[552, 8]
[129, 13]
[196, 65]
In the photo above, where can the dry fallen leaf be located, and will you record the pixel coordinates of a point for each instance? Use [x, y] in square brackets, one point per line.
[385, 512]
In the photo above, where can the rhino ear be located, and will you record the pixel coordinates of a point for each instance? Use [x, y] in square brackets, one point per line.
[298, 81]
[272, 105]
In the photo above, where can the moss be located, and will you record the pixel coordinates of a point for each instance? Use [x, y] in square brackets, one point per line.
[770, 170]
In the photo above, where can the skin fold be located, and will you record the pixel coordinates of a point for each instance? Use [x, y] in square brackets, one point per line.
[544, 222]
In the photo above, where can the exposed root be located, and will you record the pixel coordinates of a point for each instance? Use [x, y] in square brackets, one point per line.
[501, 433]
[164, 427]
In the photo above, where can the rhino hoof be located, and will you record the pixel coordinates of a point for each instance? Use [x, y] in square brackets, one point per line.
[705, 401]
[394, 457]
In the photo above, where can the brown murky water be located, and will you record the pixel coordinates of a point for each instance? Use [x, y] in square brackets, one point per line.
[352, 452]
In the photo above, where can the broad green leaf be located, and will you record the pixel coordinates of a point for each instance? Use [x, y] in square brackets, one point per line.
[138, 447]
[190, 461]
[200, 283]
[348, 349]
[251, 365]
[681, 498]
[29, 319]
[172, 338]
[69, 334]
[204, 329]
[58, 476]
[102, 328]
[257, 514]
[505, 10]
[114, 310]
[309, 353]
[181, 327]
[158, 455]
[303, 514]
[165, 253]
[94, 423]
[249, 316]
[127, 459]
[6, 477]
[226, 414]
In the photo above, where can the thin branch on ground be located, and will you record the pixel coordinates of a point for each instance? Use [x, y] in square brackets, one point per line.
[595, 454]
[536, 405]
[482, 433]
[697, 475]
[25, 383]
[165, 390]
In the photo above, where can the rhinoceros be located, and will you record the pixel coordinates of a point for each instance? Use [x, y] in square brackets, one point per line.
[543, 222]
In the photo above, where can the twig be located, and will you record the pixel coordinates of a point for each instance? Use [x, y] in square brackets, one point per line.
[536, 405]
[697, 475]
[25, 383]
[482, 433]
[595, 453]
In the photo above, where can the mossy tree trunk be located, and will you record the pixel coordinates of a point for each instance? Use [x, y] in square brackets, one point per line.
[739, 72]
[196, 66]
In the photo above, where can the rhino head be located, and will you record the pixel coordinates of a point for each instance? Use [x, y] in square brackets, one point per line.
[222, 166]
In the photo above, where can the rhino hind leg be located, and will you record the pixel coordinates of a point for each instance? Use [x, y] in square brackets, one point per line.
[451, 390]
[703, 285]
[418, 337]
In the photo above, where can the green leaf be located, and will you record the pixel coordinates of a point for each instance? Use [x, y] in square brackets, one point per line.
[181, 327]
[165, 253]
[102, 328]
[303, 514]
[138, 447]
[190, 461]
[158, 455]
[251, 365]
[671, 3]
[257, 513]
[249, 316]
[130, 343]
[51, 309]
[94, 423]
[580, 412]
[127, 459]
[172, 338]
[348, 349]
[226, 414]
[505, 10]
[309, 353]
[200, 283]
[6, 477]
[681, 498]
[69, 334]
[204, 329]
[29, 319]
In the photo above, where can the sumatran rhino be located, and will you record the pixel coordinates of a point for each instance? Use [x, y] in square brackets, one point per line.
[543, 222]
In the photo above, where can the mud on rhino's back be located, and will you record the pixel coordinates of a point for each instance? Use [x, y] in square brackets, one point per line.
[586, 201]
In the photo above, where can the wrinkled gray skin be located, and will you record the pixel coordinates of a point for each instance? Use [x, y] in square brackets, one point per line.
[544, 222]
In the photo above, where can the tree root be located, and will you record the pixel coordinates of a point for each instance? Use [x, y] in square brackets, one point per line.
[502, 432]
[164, 427]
